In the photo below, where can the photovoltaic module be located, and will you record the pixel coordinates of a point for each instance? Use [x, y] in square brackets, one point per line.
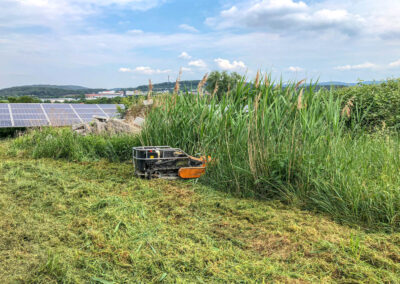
[31, 115]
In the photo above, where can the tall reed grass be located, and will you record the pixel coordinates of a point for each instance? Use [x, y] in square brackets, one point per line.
[290, 142]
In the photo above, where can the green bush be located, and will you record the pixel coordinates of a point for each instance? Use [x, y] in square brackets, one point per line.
[376, 105]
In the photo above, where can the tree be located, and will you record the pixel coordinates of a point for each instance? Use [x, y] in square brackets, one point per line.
[224, 82]
[23, 99]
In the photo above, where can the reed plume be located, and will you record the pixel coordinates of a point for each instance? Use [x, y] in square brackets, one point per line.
[257, 81]
[150, 90]
[346, 111]
[266, 83]
[201, 84]
[215, 89]
[176, 89]
[300, 100]
[299, 83]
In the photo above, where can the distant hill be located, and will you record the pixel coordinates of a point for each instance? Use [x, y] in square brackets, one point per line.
[342, 84]
[46, 91]
[64, 87]
[335, 83]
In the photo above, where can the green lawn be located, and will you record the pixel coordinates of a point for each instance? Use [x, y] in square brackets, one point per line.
[64, 222]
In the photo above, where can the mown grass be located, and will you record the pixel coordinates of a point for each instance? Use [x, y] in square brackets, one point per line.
[93, 222]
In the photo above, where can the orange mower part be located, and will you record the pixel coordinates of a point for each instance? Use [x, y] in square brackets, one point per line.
[194, 172]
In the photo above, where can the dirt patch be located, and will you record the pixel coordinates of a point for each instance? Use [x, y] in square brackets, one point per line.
[273, 245]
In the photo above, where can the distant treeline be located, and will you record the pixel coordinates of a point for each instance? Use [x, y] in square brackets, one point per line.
[184, 85]
[45, 92]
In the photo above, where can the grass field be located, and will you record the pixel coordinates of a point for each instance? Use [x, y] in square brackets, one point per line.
[93, 222]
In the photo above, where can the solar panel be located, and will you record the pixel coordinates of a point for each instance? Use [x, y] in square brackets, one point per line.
[25, 106]
[110, 110]
[64, 122]
[30, 115]
[108, 106]
[5, 123]
[88, 106]
[56, 106]
[61, 114]
[30, 123]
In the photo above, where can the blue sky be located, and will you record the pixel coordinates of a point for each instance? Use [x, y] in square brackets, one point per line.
[123, 43]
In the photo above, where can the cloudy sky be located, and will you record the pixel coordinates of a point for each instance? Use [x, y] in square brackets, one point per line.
[122, 43]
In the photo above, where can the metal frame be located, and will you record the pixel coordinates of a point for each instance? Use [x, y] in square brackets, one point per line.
[161, 148]
[147, 158]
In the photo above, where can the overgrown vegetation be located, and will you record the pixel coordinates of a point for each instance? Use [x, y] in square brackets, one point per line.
[378, 104]
[93, 222]
[64, 144]
[288, 142]
[267, 141]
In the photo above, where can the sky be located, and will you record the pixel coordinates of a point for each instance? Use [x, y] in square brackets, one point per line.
[124, 43]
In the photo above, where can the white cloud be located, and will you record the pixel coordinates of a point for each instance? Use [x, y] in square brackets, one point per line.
[395, 64]
[75, 48]
[149, 71]
[285, 16]
[185, 55]
[227, 65]
[186, 69]
[295, 69]
[144, 70]
[54, 14]
[124, 69]
[135, 31]
[198, 63]
[188, 28]
[366, 65]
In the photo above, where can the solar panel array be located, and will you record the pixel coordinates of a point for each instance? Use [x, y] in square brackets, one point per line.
[30, 115]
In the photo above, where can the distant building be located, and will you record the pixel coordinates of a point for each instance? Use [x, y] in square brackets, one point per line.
[130, 93]
[92, 96]
[104, 94]
[107, 93]
[59, 100]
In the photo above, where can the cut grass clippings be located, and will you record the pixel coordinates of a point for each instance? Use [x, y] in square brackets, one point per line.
[93, 222]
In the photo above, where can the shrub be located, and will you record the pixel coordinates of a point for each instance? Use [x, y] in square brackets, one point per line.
[377, 105]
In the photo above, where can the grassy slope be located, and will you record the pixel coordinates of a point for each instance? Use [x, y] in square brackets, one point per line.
[94, 222]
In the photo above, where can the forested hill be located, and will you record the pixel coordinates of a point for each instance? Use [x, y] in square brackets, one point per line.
[46, 91]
